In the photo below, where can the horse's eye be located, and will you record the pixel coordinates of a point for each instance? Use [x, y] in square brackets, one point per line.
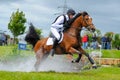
[87, 19]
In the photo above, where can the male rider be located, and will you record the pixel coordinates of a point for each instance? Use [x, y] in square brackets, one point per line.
[58, 26]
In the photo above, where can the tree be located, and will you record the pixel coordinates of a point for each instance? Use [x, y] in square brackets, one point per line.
[116, 41]
[39, 31]
[109, 34]
[17, 23]
[98, 33]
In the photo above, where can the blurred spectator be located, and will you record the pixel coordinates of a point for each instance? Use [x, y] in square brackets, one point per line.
[85, 41]
[3, 39]
[94, 42]
[6, 41]
[108, 42]
[103, 40]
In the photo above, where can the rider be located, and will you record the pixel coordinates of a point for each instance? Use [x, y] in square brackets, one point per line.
[58, 26]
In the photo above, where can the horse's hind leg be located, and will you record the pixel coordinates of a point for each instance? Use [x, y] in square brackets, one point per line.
[39, 55]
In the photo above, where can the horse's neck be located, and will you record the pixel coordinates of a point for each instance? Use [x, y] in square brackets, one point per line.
[74, 30]
[76, 27]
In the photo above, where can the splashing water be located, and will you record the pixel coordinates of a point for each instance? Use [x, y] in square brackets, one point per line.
[58, 63]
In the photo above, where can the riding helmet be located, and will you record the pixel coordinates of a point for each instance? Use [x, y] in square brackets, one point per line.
[71, 11]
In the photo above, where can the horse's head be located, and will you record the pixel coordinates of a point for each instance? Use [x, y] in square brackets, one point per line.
[87, 21]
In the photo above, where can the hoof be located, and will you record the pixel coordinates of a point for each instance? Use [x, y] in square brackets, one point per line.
[94, 66]
[75, 61]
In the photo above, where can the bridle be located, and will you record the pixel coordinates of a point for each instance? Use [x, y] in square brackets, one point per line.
[88, 25]
[78, 28]
[85, 20]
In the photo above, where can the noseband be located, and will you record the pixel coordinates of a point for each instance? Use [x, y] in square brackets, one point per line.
[84, 20]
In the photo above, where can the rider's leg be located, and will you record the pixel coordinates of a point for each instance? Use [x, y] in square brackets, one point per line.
[56, 33]
[55, 41]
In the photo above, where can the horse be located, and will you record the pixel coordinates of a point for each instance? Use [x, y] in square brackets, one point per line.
[71, 43]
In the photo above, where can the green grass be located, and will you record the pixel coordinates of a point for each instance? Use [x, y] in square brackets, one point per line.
[10, 49]
[111, 53]
[7, 52]
[109, 73]
[108, 53]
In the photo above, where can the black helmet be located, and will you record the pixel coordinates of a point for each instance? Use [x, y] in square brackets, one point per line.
[71, 11]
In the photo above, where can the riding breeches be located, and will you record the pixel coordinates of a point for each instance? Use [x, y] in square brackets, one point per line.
[55, 32]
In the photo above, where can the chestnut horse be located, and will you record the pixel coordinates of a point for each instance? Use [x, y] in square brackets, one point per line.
[70, 44]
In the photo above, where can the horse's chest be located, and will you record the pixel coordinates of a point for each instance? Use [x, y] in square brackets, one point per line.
[74, 42]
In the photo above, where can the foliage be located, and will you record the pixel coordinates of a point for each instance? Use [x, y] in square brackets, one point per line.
[109, 34]
[116, 41]
[98, 33]
[17, 23]
[90, 34]
[39, 31]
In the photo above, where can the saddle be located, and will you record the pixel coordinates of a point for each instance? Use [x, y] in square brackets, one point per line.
[52, 37]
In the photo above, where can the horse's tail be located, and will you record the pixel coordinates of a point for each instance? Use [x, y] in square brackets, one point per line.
[32, 37]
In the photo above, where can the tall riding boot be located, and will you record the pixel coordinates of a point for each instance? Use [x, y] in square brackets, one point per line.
[54, 46]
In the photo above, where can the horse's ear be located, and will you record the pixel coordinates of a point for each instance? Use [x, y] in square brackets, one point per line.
[84, 13]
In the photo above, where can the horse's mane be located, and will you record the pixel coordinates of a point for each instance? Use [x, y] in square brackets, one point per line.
[70, 21]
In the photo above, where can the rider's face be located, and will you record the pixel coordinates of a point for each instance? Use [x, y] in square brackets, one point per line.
[71, 16]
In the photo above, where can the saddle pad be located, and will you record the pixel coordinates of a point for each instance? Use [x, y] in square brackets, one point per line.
[50, 40]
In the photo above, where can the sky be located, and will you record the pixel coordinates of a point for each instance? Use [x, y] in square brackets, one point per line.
[105, 13]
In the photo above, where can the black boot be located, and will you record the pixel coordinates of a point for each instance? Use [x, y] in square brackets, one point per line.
[55, 42]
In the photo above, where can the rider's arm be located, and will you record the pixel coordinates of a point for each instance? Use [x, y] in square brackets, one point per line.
[58, 23]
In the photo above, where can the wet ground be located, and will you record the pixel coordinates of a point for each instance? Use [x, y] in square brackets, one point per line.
[58, 63]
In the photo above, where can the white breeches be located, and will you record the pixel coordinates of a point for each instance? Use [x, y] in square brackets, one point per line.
[55, 32]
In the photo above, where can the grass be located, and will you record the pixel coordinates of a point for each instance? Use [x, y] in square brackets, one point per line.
[109, 73]
[10, 51]
[111, 53]
[7, 52]
[108, 53]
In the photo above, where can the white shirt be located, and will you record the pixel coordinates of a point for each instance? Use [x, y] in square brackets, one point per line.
[58, 24]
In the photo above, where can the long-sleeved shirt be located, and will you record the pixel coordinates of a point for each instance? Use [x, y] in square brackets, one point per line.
[58, 24]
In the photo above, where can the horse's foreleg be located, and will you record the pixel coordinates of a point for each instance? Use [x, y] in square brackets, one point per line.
[89, 58]
[73, 50]
[77, 60]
